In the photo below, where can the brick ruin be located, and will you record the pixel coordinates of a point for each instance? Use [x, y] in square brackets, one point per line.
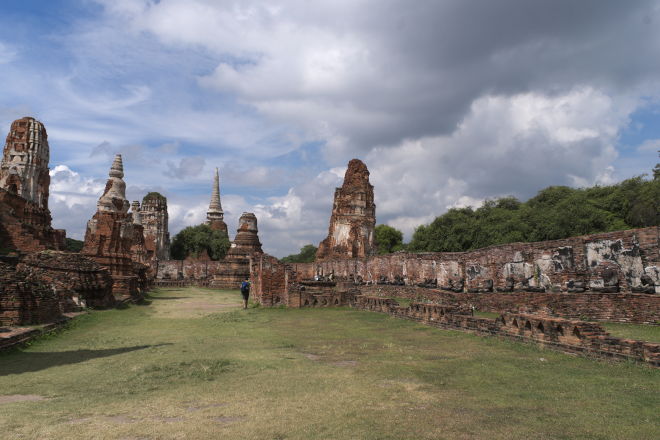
[571, 336]
[543, 291]
[247, 241]
[550, 285]
[25, 220]
[113, 239]
[155, 220]
[353, 219]
[215, 216]
[226, 273]
[38, 282]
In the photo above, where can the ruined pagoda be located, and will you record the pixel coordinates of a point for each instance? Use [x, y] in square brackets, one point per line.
[353, 220]
[215, 215]
[110, 234]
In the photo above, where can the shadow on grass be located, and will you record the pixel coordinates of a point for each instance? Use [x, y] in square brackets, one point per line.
[18, 362]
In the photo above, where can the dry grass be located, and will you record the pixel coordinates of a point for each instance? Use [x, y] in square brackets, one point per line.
[195, 366]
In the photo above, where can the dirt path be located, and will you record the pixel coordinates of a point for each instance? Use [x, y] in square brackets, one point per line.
[193, 302]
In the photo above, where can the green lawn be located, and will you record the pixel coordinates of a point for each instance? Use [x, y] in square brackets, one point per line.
[192, 365]
[650, 333]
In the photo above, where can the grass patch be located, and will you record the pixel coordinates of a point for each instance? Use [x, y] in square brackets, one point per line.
[649, 333]
[403, 302]
[193, 364]
[491, 315]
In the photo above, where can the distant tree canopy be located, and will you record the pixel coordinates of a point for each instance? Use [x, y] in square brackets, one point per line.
[555, 212]
[388, 239]
[153, 195]
[73, 245]
[194, 240]
[307, 255]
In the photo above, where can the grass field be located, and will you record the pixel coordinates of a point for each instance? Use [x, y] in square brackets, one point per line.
[650, 333]
[192, 365]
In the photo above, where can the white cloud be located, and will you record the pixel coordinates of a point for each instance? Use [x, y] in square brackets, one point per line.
[443, 116]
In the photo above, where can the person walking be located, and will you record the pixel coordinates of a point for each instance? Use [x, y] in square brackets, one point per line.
[245, 291]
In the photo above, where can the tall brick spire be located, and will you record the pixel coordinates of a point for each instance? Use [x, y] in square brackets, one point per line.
[215, 215]
[24, 165]
[215, 206]
[353, 219]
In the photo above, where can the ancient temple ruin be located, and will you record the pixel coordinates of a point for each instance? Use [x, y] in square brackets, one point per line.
[154, 217]
[25, 220]
[24, 168]
[215, 215]
[110, 235]
[38, 282]
[353, 219]
[247, 241]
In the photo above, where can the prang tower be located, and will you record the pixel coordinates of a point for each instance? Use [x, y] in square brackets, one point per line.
[215, 215]
[353, 220]
[24, 167]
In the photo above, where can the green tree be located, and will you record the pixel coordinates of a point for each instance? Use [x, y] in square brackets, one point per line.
[307, 255]
[73, 245]
[555, 212]
[194, 240]
[388, 239]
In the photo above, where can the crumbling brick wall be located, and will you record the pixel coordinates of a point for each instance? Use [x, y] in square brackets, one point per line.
[616, 307]
[77, 280]
[221, 274]
[621, 261]
[572, 336]
[270, 280]
[24, 299]
[26, 227]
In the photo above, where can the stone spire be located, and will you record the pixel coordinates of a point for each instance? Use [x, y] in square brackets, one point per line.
[215, 207]
[24, 165]
[351, 231]
[215, 215]
[114, 196]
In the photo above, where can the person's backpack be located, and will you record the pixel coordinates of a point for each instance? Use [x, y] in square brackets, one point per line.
[245, 287]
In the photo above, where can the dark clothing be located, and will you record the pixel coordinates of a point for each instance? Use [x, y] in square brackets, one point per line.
[245, 289]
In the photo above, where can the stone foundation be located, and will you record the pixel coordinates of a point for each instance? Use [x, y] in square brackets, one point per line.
[613, 307]
[570, 336]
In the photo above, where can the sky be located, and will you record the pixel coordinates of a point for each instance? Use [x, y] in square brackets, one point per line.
[448, 102]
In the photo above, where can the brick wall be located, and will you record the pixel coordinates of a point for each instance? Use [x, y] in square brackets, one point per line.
[572, 336]
[26, 227]
[621, 261]
[618, 307]
[223, 274]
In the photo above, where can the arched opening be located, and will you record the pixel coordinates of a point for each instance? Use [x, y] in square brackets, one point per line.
[306, 302]
[515, 323]
[336, 301]
[576, 333]
[528, 326]
[540, 327]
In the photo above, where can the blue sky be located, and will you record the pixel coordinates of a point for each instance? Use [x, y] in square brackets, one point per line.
[448, 103]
